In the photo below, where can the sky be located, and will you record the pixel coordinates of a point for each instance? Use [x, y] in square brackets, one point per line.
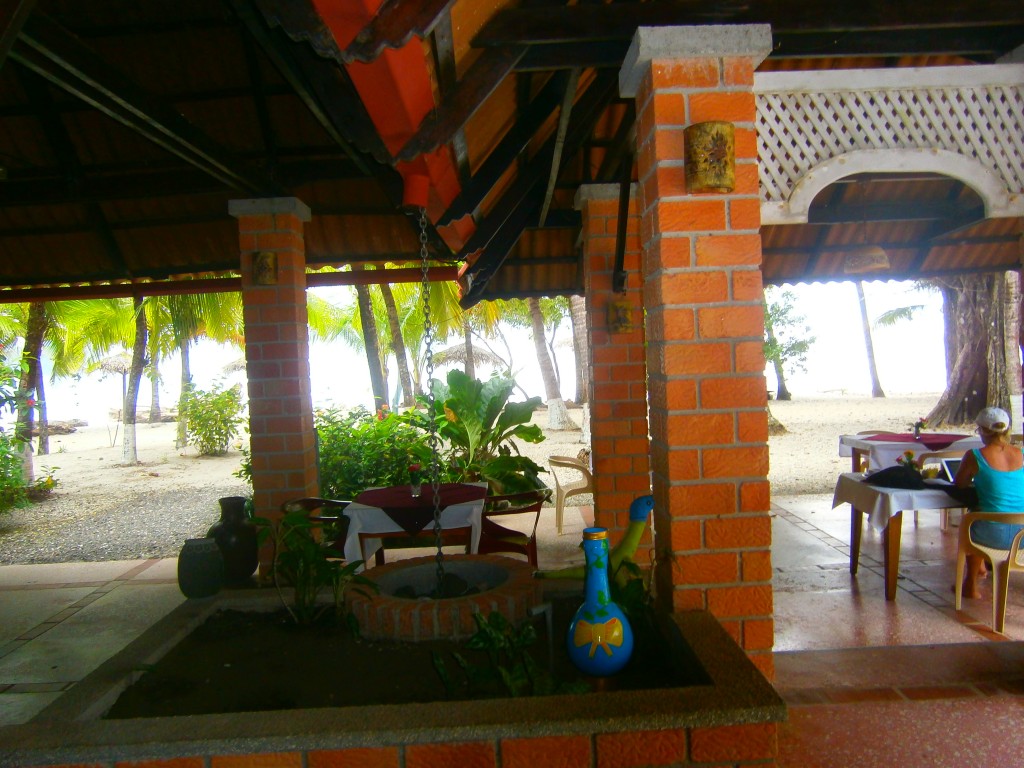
[909, 357]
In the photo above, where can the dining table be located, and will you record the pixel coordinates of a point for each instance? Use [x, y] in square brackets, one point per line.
[393, 509]
[882, 449]
[884, 508]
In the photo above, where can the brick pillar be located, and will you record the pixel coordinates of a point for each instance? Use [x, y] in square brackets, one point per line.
[618, 372]
[277, 352]
[705, 359]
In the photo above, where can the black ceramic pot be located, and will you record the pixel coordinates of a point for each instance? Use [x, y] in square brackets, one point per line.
[200, 568]
[235, 534]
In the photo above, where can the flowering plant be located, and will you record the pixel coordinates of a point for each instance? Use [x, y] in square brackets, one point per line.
[907, 460]
[414, 473]
[921, 423]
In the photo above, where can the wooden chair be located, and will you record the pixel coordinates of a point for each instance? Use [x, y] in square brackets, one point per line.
[1003, 561]
[935, 457]
[584, 483]
[335, 524]
[860, 461]
[497, 539]
[450, 537]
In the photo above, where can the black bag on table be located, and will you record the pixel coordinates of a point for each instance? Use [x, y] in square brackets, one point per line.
[896, 476]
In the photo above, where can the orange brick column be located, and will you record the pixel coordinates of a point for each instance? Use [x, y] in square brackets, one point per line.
[618, 371]
[277, 352]
[705, 359]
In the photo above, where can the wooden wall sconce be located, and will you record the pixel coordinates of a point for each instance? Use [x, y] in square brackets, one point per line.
[264, 268]
[620, 316]
[710, 150]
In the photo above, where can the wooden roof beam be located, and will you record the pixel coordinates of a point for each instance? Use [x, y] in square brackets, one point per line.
[509, 148]
[443, 122]
[394, 25]
[13, 14]
[52, 52]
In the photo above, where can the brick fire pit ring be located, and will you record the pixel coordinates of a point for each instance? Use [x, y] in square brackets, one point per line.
[510, 589]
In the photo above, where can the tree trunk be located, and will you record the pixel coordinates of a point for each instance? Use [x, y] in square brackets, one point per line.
[1011, 345]
[155, 415]
[782, 391]
[371, 343]
[181, 435]
[869, 347]
[580, 347]
[31, 356]
[969, 304]
[470, 365]
[558, 414]
[43, 444]
[775, 427]
[129, 445]
[398, 345]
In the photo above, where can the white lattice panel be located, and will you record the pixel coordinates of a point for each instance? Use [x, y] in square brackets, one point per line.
[815, 127]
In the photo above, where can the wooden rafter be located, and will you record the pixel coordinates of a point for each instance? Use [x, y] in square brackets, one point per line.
[52, 52]
[13, 14]
[509, 148]
[440, 125]
[396, 22]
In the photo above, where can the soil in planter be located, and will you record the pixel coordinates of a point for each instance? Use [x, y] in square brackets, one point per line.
[248, 661]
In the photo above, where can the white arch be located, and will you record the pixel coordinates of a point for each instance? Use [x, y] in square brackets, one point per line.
[992, 190]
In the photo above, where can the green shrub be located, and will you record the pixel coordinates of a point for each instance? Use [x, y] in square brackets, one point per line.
[212, 419]
[13, 493]
[359, 450]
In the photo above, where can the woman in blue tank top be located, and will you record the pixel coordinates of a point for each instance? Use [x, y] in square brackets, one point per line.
[997, 472]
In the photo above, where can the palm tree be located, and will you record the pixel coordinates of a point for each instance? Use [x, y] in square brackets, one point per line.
[580, 347]
[558, 414]
[869, 347]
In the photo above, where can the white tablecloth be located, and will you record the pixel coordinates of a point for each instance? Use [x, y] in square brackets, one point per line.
[879, 504]
[883, 454]
[367, 519]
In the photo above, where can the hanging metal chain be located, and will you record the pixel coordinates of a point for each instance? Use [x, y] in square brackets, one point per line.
[433, 441]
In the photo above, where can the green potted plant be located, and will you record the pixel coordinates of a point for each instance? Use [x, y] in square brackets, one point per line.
[476, 425]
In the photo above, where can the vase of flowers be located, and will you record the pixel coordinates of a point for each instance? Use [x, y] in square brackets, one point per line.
[415, 480]
[919, 426]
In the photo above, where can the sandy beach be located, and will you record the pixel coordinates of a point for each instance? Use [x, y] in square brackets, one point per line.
[172, 494]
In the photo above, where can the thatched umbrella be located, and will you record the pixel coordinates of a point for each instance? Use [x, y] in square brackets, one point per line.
[122, 364]
[235, 366]
[457, 354]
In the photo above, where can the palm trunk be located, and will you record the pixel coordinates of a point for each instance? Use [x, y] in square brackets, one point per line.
[558, 414]
[470, 364]
[129, 446]
[30, 360]
[43, 444]
[371, 344]
[181, 436]
[869, 347]
[398, 345]
[580, 347]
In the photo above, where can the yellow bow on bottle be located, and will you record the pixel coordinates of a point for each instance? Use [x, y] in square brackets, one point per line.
[607, 634]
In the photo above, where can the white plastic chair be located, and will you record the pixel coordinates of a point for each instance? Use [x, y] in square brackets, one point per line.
[569, 487]
[1002, 560]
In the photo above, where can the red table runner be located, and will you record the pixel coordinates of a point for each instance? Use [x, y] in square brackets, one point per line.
[412, 513]
[934, 441]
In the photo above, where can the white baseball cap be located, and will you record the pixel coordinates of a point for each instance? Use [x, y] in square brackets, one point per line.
[993, 419]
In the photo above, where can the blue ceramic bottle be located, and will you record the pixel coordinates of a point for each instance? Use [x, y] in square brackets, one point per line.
[600, 640]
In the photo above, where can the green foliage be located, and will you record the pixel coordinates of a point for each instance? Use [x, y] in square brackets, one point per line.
[309, 566]
[476, 424]
[360, 450]
[508, 667]
[212, 418]
[787, 341]
[12, 480]
[14, 492]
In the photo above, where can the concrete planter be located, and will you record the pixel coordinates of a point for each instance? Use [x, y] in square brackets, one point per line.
[733, 715]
